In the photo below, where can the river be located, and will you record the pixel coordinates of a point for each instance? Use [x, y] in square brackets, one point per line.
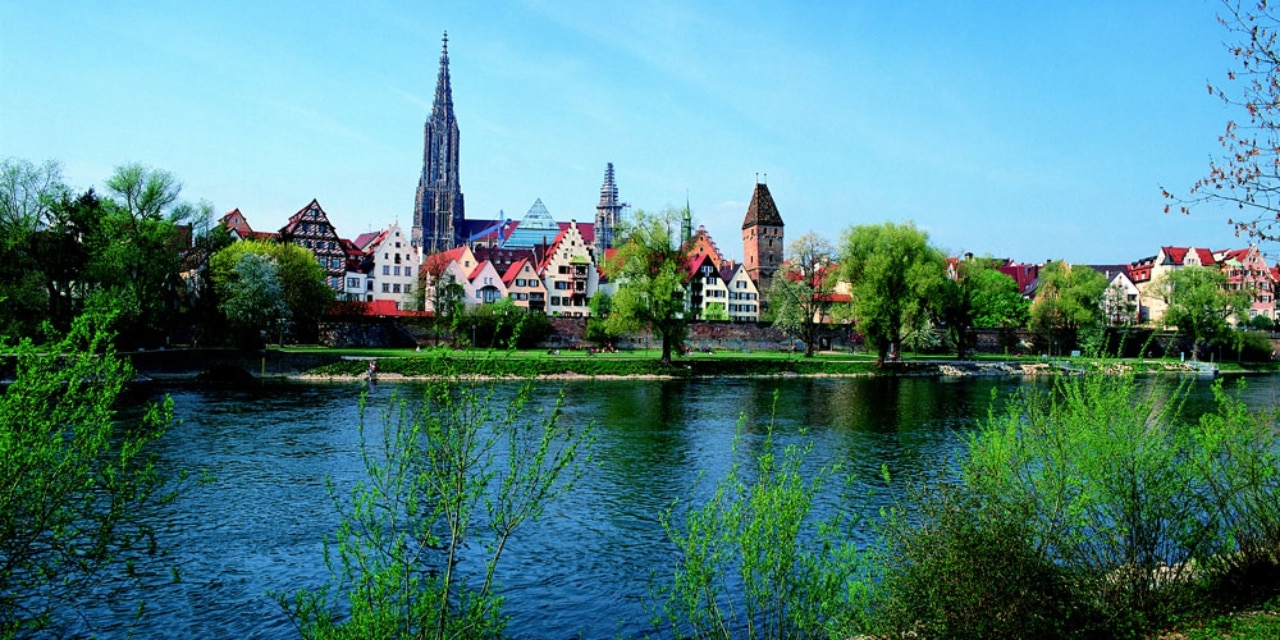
[252, 518]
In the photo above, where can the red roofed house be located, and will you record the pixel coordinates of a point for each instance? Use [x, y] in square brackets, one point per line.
[744, 297]
[1147, 274]
[524, 287]
[446, 269]
[484, 285]
[708, 293]
[1247, 271]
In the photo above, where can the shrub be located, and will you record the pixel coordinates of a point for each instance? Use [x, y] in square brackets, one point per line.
[956, 570]
[752, 565]
[450, 478]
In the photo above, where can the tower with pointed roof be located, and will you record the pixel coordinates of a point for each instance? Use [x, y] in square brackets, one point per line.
[608, 214]
[438, 211]
[762, 239]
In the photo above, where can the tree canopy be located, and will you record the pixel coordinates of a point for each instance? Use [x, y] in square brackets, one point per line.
[1068, 299]
[649, 269]
[300, 276]
[802, 289]
[894, 274]
[980, 296]
[1200, 304]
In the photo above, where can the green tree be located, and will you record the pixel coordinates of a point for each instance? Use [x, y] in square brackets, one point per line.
[449, 481]
[254, 301]
[980, 296]
[649, 268]
[802, 289]
[74, 482]
[1244, 174]
[1067, 300]
[598, 331]
[1199, 303]
[301, 279]
[29, 195]
[894, 275]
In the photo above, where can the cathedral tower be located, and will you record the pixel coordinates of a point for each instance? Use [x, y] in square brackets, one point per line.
[438, 212]
[762, 239]
[608, 214]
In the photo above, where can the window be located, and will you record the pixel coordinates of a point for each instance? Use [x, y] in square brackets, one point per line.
[353, 283]
[397, 258]
[386, 287]
[408, 288]
[564, 269]
[561, 285]
[408, 271]
[555, 300]
[386, 270]
[397, 270]
[519, 282]
[395, 288]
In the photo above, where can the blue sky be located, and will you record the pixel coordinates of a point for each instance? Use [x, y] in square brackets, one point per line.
[1027, 130]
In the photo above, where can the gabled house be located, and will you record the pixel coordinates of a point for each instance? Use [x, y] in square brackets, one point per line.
[485, 285]
[1122, 301]
[395, 266]
[701, 244]
[445, 271]
[743, 296]
[1247, 271]
[524, 287]
[310, 229]
[707, 290]
[1148, 274]
[569, 273]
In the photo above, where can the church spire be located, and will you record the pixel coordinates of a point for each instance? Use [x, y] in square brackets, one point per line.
[444, 89]
[438, 213]
[608, 214]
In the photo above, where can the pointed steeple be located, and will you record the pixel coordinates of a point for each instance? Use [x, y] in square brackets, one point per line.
[686, 222]
[438, 209]
[608, 214]
[443, 104]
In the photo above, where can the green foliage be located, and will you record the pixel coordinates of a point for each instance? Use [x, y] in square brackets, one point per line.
[1089, 508]
[800, 294]
[996, 301]
[74, 485]
[1067, 300]
[1262, 323]
[894, 274]
[253, 301]
[449, 480]
[1199, 304]
[300, 277]
[752, 564]
[501, 325]
[649, 269]
[956, 570]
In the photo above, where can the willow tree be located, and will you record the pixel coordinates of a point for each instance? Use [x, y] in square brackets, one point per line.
[894, 275]
[649, 267]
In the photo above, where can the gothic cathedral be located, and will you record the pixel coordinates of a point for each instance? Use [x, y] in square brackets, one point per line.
[438, 208]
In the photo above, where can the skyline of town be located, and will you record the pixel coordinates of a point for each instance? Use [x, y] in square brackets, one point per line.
[1050, 141]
